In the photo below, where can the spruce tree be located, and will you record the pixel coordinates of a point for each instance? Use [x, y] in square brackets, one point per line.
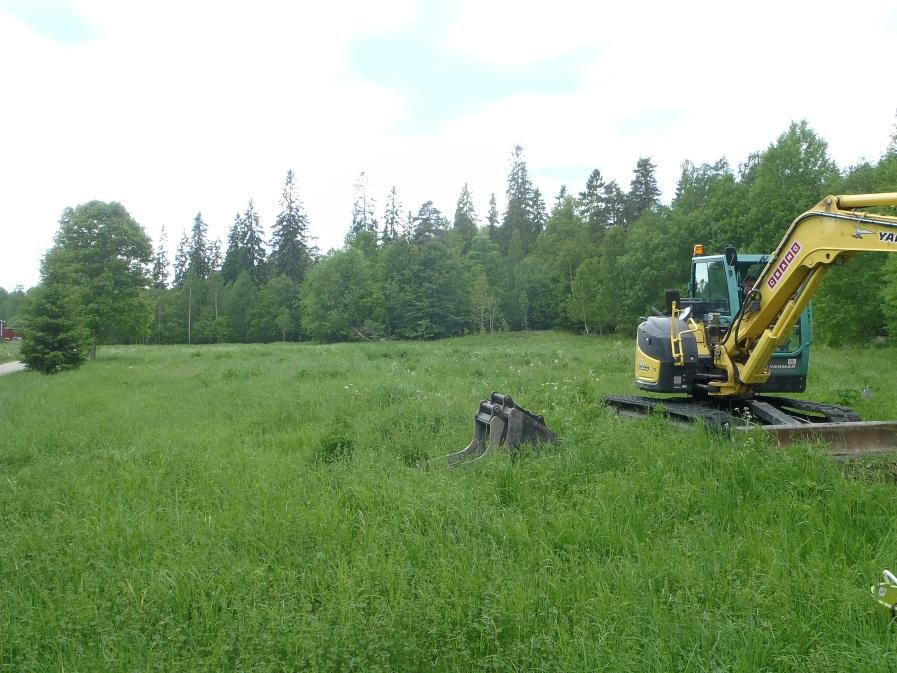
[539, 213]
[644, 194]
[391, 218]
[465, 219]
[561, 196]
[891, 151]
[614, 204]
[289, 237]
[363, 208]
[492, 219]
[408, 226]
[252, 243]
[245, 250]
[55, 338]
[160, 263]
[233, 262]
[215, 255]
[198, 254]
[591, 206]
[520, 217]
[181, 260]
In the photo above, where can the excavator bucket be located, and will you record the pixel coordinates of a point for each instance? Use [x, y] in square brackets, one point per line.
[499, 423]
[845, 440]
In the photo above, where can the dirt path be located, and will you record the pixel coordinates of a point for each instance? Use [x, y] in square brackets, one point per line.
[11, 367]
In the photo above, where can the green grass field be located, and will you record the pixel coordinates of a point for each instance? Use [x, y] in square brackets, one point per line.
[257, 508]
[9, 351]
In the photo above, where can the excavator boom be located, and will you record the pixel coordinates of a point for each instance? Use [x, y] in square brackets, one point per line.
[830, 233]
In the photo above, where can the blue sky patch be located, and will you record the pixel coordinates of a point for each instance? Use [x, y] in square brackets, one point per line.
[651, 121]
[439, 84]
[53, 19]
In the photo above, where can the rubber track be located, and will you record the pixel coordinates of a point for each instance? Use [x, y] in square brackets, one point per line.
[682, 408]
[831, 413]
[722, 413]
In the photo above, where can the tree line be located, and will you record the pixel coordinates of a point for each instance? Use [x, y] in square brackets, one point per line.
[594, 261]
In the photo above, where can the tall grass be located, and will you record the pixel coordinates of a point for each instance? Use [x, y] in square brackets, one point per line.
[257, 508]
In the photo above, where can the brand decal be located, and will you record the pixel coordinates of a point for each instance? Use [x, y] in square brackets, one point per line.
[783, 265]
[887, 237]
[643, 367]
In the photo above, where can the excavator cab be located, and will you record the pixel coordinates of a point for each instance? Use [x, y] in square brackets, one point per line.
[718, 288]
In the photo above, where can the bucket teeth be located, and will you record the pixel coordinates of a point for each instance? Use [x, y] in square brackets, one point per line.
[499, 423]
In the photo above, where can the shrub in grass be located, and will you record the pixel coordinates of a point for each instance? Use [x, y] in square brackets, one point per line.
[336, 445]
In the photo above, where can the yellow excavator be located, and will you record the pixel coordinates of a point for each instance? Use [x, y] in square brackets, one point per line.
[744, 332]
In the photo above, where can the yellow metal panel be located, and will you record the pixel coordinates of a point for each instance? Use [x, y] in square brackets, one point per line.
[647, 369]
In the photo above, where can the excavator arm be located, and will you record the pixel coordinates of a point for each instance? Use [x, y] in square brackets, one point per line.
[830, 233]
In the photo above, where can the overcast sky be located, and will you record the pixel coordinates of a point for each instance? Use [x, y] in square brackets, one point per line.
[177, 107]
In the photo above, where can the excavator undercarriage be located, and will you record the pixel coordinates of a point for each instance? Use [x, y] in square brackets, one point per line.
[785, 420]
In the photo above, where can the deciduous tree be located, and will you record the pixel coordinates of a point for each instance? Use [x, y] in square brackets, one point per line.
[102, 252]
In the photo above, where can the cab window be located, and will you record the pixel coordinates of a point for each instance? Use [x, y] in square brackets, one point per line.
[710, 285]
[794, 341]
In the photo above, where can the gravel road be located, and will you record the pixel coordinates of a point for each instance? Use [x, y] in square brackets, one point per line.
[11, 367]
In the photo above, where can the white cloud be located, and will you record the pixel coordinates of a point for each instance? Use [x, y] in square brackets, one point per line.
[181, 106]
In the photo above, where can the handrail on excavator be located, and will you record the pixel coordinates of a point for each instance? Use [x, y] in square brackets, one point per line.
[850, 201]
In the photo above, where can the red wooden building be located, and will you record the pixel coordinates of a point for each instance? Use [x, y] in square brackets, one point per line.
[6, 333]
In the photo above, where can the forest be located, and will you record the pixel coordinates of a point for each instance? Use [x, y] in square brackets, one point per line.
[593, 260]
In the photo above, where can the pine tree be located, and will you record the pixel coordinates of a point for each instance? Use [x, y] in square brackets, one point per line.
[429, 223]
[465, 219]
[181, 260]
[160, 263]
[644, 194]
[391, 218]
[289, 239]
[198, 262]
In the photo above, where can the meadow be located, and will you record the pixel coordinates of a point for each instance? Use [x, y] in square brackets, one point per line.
[259, 508]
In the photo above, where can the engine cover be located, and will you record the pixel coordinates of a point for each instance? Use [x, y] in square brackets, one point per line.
[655, 367]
